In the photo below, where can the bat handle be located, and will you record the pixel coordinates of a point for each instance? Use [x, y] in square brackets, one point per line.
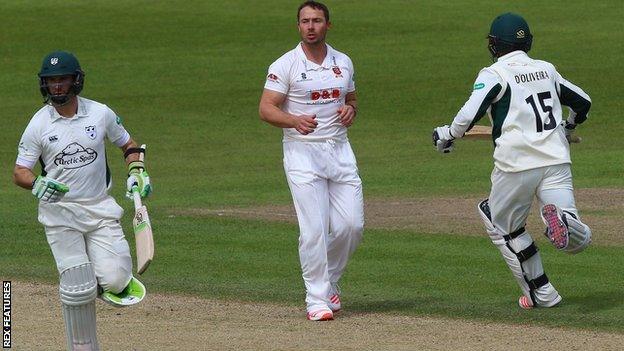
[136, 197]
[142, 154]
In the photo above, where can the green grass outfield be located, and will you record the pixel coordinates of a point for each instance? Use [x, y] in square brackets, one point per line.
[187, 76]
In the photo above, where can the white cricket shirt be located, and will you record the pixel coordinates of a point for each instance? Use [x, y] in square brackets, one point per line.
[524, 98]
[72, 150]
[313, 89]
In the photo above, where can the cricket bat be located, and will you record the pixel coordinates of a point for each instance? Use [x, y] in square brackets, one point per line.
[142, 230]
[479, 133]
[485, 133]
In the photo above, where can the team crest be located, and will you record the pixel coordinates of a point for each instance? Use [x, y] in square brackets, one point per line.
[54, 61]
[272, 77]
[337, 71]
[91, 133]
[520, 34]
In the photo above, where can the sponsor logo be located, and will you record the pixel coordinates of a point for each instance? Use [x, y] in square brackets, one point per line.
[272, 77]
[74, 156]
[324, 96]
[53, 61]
[479, 86]
[520, 34]
[304, 78]
[6, 314]
[139, 218]
[337, 71]
[53, 139]
[91, 133]
[118, 120]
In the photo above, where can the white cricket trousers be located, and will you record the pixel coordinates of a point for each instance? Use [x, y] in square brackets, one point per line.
[510, 202]
[513, 192]
[327, 194]
[89, 232]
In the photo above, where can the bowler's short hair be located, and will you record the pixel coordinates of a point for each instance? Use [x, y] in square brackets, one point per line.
[315, 5]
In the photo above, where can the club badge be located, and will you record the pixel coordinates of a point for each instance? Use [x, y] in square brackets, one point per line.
[91, 133]
[337, 71]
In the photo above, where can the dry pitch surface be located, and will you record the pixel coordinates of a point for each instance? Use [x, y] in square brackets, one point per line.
[189, 323]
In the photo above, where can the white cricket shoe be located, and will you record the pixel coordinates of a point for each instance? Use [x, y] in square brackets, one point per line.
[526, 303]
[321, 315]
[334, 298]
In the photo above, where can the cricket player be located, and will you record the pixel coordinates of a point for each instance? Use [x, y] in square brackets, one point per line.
[81, 220]
[310, 93]
[524, 98]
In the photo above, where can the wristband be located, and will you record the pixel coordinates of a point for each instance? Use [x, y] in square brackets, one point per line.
[134, 150]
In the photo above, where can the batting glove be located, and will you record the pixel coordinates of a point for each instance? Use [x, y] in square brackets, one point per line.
[442, 139]
[137, 176]
[48, 189]
[569, 130]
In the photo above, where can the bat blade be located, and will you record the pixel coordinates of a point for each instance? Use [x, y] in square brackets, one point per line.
[143, 238]
[479, 133]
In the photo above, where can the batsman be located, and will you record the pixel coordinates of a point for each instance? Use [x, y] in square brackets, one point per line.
[81, 220]
[524, 98]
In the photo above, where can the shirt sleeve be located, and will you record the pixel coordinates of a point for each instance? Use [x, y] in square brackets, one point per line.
[487, 89]
[277, 78]
[351, 87]
[115, 131]
[29, 148]
[575, 98]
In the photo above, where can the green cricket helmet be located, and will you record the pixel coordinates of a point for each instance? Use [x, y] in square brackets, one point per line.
[509, 32]
[60, 63]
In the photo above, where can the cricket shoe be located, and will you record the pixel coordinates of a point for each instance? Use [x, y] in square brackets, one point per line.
[526, 304]
[556, 229]
[133, 293]
[321, 315]
[334, 298]
[334, 303]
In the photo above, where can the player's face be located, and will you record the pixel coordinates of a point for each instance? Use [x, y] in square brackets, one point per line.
[59, 85]
[312, 25]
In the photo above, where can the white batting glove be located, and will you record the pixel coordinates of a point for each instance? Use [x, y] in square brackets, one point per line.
[442, 139]
[48, 189]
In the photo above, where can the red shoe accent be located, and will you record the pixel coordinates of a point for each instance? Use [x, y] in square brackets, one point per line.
[525, 303]
[334, 303]
[320, 315]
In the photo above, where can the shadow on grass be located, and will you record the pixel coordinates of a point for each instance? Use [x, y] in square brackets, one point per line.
[399, 306]
[596, 301]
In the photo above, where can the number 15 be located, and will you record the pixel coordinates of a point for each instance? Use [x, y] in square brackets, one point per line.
[551, 124]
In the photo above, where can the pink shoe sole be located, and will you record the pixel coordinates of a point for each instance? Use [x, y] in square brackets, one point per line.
[556, 231]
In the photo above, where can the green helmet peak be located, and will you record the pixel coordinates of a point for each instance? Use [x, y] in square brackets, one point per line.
[60, 63]
[509, 32]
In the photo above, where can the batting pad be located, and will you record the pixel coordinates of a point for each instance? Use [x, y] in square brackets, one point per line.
[523, 259]
[579, 234]
[78, 290]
